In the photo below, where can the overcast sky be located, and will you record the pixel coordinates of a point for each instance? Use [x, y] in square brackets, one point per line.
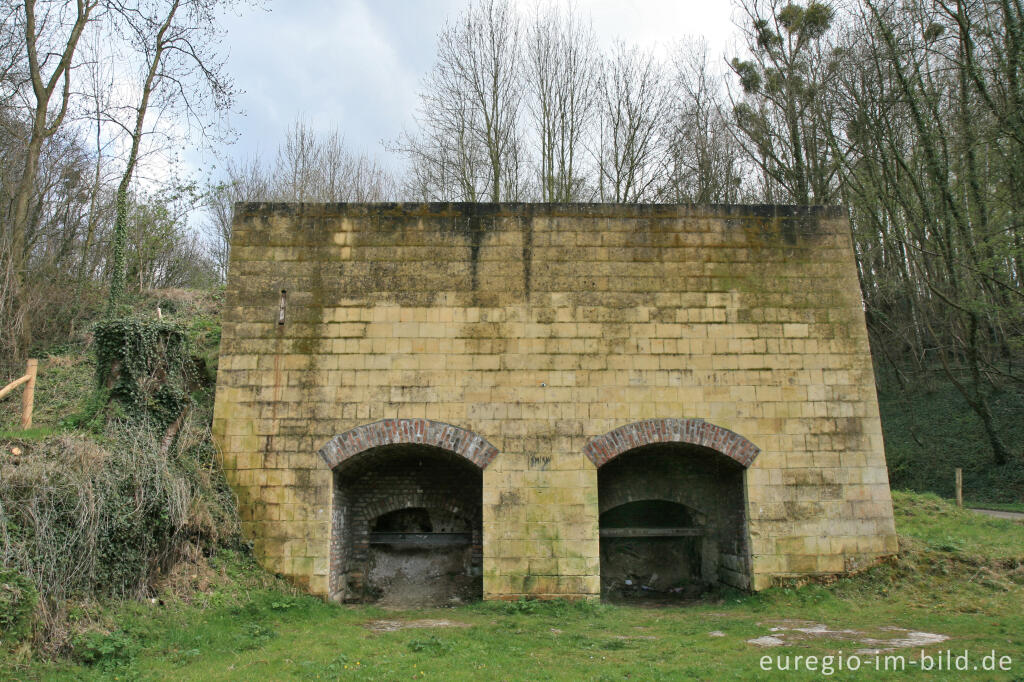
[357, 64]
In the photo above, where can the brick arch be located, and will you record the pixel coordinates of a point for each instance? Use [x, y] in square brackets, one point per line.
[609, 502]
[603, 449]
[464, 443]
[438, 502]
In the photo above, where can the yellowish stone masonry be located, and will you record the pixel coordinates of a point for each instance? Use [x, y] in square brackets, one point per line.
[535, 331]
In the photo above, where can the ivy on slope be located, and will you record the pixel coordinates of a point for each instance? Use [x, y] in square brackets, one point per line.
[145, 367]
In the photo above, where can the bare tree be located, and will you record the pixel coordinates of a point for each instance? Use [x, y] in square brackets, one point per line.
[931, 179]
[317, 166]
[12, 49]
[246, 181]
[310, 165]
[51, 32]
[468, 145]
[705, 164]
[50, 298]
[632, 110]
[98, 96]
[181, 73]
[561, 74]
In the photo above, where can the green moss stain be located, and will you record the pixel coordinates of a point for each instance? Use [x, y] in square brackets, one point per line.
[526, 224]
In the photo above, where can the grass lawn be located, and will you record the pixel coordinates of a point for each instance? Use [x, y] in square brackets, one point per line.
[959, 574]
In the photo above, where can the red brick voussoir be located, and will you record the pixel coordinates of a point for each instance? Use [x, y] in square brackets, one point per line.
[465, 443]
[603, 449]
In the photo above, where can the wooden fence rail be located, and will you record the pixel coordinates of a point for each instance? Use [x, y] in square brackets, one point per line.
[28, 397]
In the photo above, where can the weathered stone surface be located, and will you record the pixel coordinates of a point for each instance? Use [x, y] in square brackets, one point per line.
[539, 342]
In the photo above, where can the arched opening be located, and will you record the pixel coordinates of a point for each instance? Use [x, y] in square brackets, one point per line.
[407, 524]
[407, 527]
[651, 545]
[672, 522]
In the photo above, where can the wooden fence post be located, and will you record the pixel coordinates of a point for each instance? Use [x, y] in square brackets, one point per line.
[959, 487]
[28, 397]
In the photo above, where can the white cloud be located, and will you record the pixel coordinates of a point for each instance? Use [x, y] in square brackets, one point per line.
[356, 64]
[660, 24]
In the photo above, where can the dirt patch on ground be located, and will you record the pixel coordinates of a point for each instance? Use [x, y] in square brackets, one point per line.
[395, 625]
[881, 640]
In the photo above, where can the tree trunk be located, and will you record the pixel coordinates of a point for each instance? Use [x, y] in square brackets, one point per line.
[121, 220]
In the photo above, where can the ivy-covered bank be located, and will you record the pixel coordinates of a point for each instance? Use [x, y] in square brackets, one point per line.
[119, 485]
[145, 368]
[109, 516]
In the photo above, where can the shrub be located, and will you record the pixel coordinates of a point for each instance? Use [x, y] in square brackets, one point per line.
[108, 516]
[145, 367]
[102, 649]
[18, 598]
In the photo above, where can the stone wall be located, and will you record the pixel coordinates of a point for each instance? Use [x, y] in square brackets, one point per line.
[533, 330]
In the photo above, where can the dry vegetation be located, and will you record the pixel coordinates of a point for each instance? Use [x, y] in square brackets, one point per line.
[86, 517]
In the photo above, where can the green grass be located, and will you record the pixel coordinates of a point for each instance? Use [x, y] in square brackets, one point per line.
[63, 382]
[940, 525]
[34, 434]
[958, 574]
